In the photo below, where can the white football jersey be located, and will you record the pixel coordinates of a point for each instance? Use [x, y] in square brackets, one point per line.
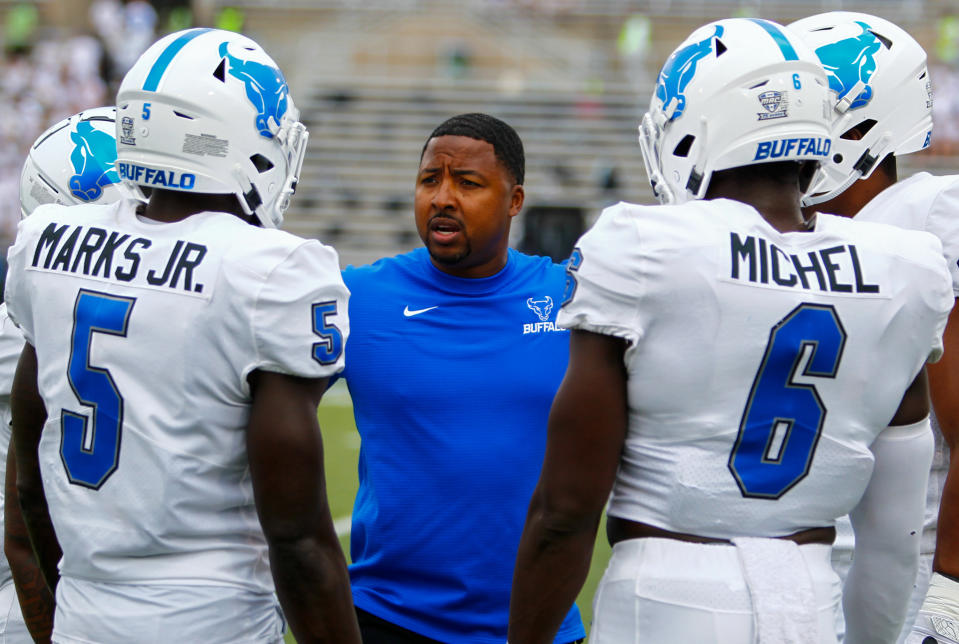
[145, 334]
[922, 202]
[11, 343]
[931, 203]
[761, 365]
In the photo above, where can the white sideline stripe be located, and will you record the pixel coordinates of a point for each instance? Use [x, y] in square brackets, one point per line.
[343, 525]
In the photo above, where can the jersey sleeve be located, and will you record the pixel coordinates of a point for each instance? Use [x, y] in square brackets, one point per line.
[946, 300]
[300, 321]
[603, 283]
[18, 306]
[938, 291]
[943, 222]
[11, 345]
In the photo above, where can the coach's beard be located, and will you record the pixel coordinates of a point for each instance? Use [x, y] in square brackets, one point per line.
[449, 260]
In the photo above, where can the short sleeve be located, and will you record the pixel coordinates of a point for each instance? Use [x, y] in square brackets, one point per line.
[936, 290]
[603, 281]
[943, 222]
[300, 318]
[946, 300]
[11, 345]
[15, 294]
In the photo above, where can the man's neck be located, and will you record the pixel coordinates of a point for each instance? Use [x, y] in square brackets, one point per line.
[170, 205]
[777, 201]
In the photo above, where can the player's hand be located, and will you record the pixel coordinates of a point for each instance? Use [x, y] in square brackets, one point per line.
[938, 618]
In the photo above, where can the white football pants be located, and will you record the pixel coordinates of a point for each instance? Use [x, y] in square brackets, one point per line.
[666, 591]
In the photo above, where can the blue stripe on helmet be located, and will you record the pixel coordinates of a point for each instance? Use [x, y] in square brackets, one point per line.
[784, 45]
[166, 57]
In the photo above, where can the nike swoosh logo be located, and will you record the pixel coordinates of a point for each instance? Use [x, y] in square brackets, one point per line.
[408, 313]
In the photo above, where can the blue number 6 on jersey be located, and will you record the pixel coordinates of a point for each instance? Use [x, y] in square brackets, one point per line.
[783, 418]
[90, 455]
[569, 289]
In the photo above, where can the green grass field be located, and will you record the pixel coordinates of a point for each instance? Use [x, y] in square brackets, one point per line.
[341, 444]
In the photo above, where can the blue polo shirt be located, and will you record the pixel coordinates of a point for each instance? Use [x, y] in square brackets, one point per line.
[452, 381]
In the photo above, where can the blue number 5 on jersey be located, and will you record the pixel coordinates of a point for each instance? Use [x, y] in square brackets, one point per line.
[328, 351]
[783, 418]
[90, 455]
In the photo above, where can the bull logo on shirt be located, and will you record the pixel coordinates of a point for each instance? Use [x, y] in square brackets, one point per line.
[94, 159]
[541, 307]
[265, 87]
[849, 62]
[679, 70]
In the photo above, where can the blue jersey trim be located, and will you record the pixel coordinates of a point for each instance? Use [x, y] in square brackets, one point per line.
[784, 45]
[163, 61]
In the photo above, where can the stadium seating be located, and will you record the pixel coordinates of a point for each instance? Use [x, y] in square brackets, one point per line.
[372, 82]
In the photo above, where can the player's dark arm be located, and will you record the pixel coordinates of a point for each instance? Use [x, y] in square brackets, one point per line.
[286, 464]
[29, 416]
[587, 427]
[33, 594]
[944, 388]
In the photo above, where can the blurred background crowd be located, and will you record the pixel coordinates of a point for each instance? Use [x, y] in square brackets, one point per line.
[373, 78]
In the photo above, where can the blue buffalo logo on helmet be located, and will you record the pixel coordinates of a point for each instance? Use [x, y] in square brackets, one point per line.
[265, 87]
[94, 158]
[679, 70]
[850, 61]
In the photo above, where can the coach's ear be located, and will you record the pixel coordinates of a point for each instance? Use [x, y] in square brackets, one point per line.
[516, 199]
[807, 170]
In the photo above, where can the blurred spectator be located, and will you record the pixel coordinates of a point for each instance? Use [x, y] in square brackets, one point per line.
[41, 82]
[457, 59]
[230, 19]
[633, 45]
[945, 86]
[106, 16]
[126, 30]
[945, 109]
[139, 27]
[947, 42]
[179, 18]
[19, 27]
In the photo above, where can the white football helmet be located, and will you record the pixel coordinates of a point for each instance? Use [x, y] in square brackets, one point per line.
[208, 111]
[736, 92]
[73, 162]
[878, 83]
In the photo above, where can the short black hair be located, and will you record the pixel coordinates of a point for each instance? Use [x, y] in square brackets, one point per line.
[506, 143]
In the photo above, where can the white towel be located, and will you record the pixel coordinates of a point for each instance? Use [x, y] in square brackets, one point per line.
[781, 590]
